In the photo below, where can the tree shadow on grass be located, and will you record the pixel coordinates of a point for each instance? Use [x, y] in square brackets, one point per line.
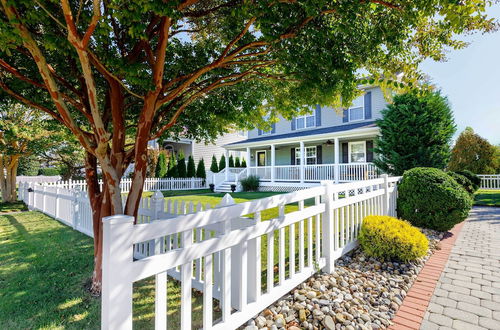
[43, 268]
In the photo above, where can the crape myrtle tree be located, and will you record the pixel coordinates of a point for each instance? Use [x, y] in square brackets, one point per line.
[121, 73]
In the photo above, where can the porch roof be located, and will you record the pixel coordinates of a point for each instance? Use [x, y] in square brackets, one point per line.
[303, 133]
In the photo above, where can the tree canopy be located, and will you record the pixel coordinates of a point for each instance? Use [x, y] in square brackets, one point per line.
[415, 131]
[473, 153]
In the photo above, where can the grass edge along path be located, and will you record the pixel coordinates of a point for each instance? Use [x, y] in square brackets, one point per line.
[485, 197]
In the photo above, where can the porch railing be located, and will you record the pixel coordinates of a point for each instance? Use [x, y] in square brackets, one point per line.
[316, 173]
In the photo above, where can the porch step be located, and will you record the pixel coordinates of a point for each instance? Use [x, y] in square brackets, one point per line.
[225, 187]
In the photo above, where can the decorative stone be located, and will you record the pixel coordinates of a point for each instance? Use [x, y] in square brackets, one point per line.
[329, 323]
[302, 315]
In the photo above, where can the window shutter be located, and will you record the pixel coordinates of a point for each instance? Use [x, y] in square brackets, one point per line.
[318, 115]
[260, 132]
[369, 151]
[292, 156]
[319, 155]
[345, 115]
[368, 105]
[345, 153]
[273, 128]
[293, 124]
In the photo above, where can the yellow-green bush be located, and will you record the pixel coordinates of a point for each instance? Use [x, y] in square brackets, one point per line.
[388, 238]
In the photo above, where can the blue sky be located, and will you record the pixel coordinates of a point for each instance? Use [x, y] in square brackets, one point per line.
[471, 80]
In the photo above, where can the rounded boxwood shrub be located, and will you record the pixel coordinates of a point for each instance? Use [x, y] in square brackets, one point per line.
[463, 181]
[430, 198]
[476, 181]
[388, 238]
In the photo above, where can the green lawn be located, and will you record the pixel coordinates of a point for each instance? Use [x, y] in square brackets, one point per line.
[44, 267]
[487, 198]
[12, 207]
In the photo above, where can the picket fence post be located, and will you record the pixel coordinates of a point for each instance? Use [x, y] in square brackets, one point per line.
[75, 209]
[327, 228]
[158, 208]
[117, 287]
[386, 194]
[57, 203]
[44, 198]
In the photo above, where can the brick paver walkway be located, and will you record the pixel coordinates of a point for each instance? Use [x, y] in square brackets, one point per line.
[467, 295]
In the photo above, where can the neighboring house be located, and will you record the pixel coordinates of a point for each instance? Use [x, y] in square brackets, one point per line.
[323, 145]
[199, 150]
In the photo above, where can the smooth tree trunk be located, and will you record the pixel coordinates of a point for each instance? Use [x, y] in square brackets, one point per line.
[8, 174]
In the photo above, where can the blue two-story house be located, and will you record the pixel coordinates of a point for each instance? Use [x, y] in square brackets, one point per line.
[326, 144]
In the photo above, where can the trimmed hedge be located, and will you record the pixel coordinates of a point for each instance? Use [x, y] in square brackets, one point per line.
[388, 238]
[463, 181]
[430, 198]
[476, 181]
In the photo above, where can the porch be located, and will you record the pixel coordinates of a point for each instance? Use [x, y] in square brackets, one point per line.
[308, 160]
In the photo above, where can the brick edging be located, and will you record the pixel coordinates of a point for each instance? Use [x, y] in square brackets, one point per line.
[411, 313]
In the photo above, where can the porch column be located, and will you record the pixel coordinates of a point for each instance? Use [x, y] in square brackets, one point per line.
[227, 165]
[302, 160]
[248, 160]
[273, 161]
[336, 163]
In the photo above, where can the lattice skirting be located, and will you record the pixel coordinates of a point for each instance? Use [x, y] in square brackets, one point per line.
[284, 186]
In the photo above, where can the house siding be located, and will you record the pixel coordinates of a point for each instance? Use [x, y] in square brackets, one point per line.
[330, 116]
[206, 151]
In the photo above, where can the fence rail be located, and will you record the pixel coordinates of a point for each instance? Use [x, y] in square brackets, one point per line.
[37, 178]
[150, 184]
[220, 251]
[490, 181]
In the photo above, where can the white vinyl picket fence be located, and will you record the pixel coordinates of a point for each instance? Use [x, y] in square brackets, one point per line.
[219, 251]
[150, 184]
[72, 207]
[490, 181]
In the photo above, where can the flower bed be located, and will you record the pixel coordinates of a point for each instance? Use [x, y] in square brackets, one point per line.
[362, 293]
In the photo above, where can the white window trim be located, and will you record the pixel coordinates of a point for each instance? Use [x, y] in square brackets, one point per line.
[312, 114]
[349, 151]
[349, 112]
[257, 158]
[297, 152]
[266, 132]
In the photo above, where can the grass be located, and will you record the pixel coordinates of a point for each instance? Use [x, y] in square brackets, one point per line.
[44, 267]
[487, 198]
[12, 207]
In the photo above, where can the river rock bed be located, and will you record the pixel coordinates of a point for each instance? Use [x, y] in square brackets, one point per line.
[363, 293]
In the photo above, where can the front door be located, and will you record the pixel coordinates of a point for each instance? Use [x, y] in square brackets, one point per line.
[261, 158]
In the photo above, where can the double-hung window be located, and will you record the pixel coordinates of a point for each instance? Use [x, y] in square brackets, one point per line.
[357, 152]
[357, 109]
[306, 121]
[310, 157]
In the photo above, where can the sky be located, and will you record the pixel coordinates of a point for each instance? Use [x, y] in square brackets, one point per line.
[470, 78]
